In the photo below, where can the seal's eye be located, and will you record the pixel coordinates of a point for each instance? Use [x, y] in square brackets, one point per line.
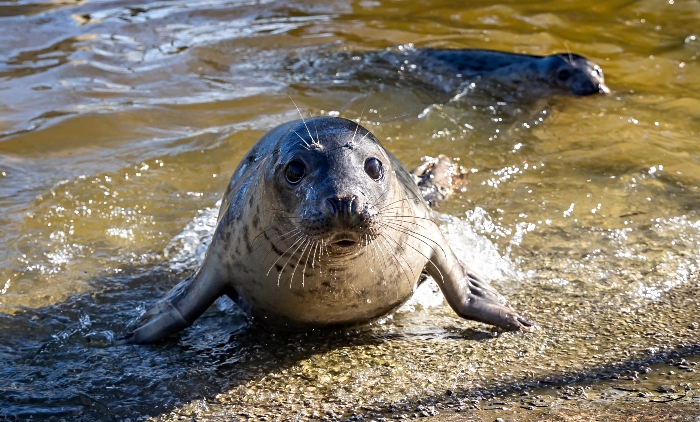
[373, 168]
[295, 171]
[563, 74]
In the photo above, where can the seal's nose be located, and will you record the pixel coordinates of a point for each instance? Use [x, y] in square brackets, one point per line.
[343, 207]
[603, 89]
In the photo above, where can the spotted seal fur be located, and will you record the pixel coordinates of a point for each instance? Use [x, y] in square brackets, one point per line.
[321, 226]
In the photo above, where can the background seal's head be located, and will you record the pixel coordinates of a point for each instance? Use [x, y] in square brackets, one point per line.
[574, 73]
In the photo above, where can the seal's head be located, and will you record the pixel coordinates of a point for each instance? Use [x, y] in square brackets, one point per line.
[574, 73]
[330, 177]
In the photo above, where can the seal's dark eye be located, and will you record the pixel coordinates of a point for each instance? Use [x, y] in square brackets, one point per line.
[373, 168]
[295, 171]
[563, 74]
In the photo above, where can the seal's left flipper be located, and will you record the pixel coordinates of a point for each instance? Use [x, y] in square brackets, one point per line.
[470, 296]
[438, 178]
[183, 304]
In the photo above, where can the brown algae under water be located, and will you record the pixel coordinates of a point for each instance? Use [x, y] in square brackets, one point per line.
[121, 123]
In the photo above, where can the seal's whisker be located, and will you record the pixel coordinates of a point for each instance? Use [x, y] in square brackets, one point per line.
[303, 121]
[376, 200]
[303, 271]
[381, 267]
[359, 121]
[279, 275]
[271, 239]
[277, 227]
[383, 255]
[408, 222]
[318, 138]
[413, 234]
[313, 260]
[401, 266]
[411, 217]
[442, 278]
[279, 237]
[568, 51]
[301, 255]
[280, 256]
[320, 257]
[400, 200]
[306, 144]
[396, 256]
[363, 138]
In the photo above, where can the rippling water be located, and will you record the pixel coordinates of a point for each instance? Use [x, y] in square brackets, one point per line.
[120, 123]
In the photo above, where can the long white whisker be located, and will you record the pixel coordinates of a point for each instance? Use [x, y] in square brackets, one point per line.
[302, 119]
[279, 275]
[301, 255]
[396, 258]
[301, 238]
[413, 234]
[442, 279]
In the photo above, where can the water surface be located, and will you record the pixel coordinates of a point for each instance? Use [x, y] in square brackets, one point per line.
[120, 123]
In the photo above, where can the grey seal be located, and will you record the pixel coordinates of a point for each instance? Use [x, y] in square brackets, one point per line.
[321, 226]
[560, 72]
[450, 71]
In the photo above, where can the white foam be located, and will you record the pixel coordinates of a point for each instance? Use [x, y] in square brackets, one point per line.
[186, 250]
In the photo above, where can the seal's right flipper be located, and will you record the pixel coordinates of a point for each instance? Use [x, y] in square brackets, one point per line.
[178, 309]
[471, 296]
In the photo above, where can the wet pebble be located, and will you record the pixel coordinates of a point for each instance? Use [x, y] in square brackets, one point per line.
[666, 389]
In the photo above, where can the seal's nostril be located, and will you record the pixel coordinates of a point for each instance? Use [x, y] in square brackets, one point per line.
[344, 206]
[333, 205]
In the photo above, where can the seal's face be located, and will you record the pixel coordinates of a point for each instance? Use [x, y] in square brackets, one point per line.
[331, 182]
[576, 74]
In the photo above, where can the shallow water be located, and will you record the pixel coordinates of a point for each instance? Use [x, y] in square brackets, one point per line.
[120, 123]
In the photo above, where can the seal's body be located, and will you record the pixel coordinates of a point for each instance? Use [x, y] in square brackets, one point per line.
[457, 71]
[561, 72]
[321, 226]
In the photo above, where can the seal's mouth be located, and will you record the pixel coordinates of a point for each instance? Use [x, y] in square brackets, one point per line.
[345, 243]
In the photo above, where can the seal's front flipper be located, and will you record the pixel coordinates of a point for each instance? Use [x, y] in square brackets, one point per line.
[470, 296]
[180, 307]
[484, 304]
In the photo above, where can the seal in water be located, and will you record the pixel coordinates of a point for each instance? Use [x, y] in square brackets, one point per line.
[564, 72]
[321, 226]
[450, 70]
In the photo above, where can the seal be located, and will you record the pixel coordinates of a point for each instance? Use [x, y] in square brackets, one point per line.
[321, 226]
[562, 72]
[450, 71]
